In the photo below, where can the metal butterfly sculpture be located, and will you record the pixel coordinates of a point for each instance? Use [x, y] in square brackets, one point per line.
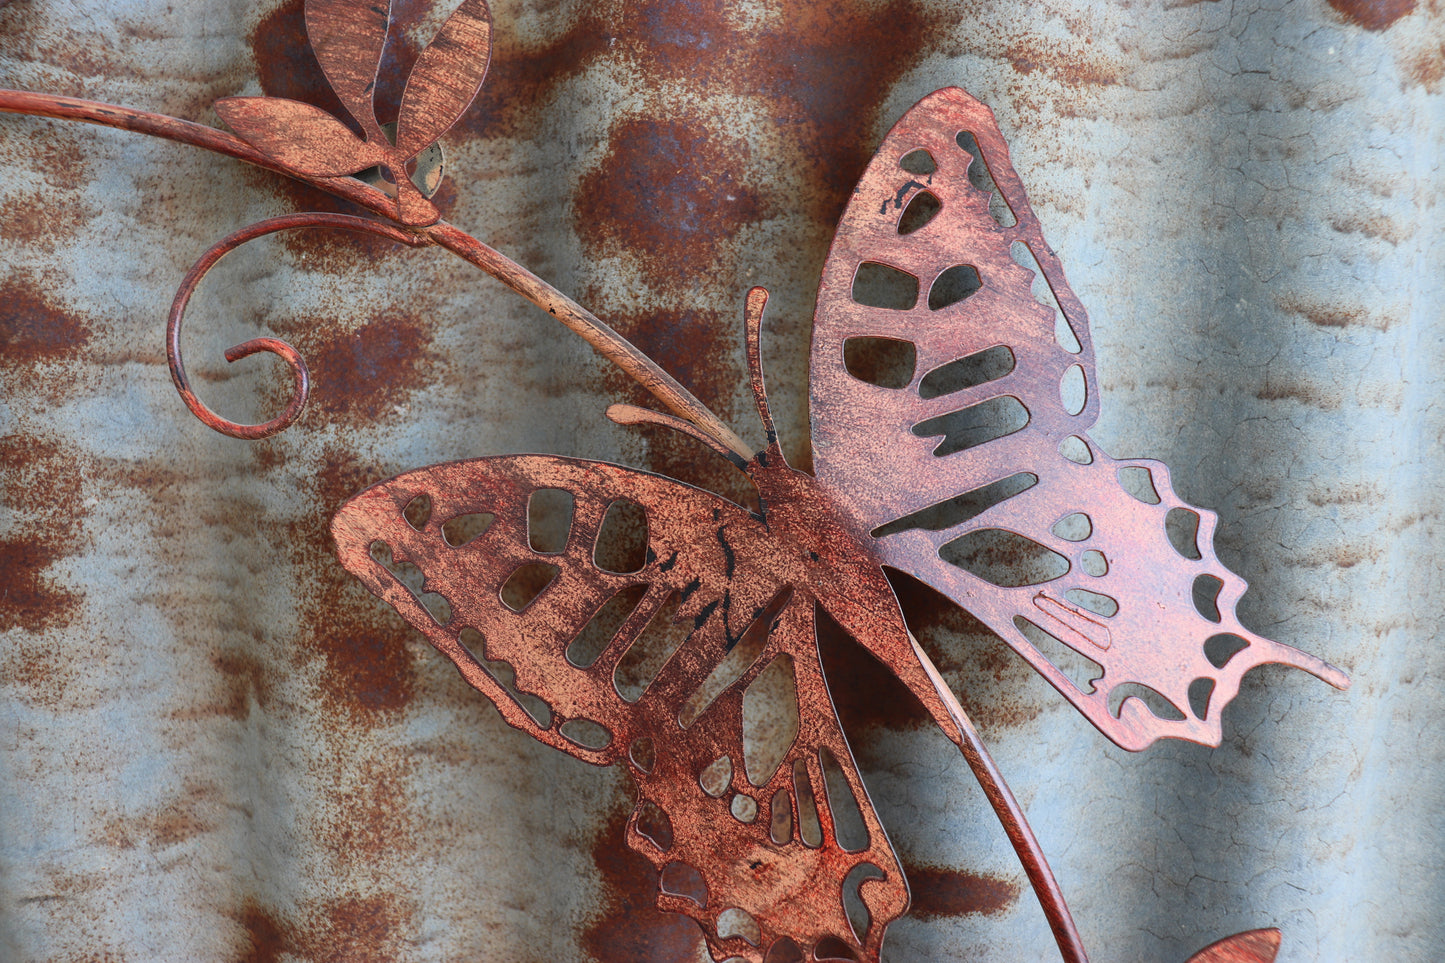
[952, 389]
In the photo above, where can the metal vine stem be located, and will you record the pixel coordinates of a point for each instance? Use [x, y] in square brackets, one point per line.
[597, 333]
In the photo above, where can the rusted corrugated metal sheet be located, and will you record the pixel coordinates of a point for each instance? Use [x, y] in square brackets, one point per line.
[214, 744]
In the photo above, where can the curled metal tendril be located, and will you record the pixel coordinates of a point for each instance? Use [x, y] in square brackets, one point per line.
[301, 386]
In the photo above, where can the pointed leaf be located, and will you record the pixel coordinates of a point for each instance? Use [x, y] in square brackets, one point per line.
[1251, 946]
[446, 77]
[304, 138]
[348, 37]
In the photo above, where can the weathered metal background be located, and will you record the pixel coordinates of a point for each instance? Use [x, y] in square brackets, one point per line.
[214, 744]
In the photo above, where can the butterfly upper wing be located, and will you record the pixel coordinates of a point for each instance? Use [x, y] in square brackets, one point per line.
[986, 432]
[712, 573]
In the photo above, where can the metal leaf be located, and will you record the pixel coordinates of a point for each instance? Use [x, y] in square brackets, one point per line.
[304, 138]
[348, 37]
[446, 78]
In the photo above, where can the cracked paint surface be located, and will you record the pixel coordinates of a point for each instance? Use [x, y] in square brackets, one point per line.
[215, 745]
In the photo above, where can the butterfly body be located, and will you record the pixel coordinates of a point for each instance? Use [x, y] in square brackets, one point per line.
[763, 848]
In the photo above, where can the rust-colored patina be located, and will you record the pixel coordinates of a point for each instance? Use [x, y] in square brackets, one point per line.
[659, 625]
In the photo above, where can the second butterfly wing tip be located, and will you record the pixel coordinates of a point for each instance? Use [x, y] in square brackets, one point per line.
[1251, 946]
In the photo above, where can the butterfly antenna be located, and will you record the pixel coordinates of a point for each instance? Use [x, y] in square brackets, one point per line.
[753, 319]
[634, 415]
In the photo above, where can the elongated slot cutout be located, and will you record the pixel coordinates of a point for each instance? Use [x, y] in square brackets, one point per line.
[975, 425]
[549, 520]
[603, 626]
[621, 546]
[970, 371]
[956, 284]
[734, 662]
[1093, 602]
[1182, 527]
[1073, 389]
[980, 177]
[770, 719]
[922, 209]
[884, 362]
[586, 733]
[650, 651]
[1003, 558]
[849, 828]
[810, 830]
[780, 817]
[525, 584]
[877, 285]
[1079, 669]
[503, 674]
[1160, 706]
[1044, 294]
[414, 581]
[961, 508]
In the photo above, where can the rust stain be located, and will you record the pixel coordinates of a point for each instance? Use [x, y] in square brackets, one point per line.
[1426, 68]
[42, 488]
[361, 376]
[267, 939]
[32, 330]
[241, 681]
[1375, 227]
[184, 818]
[630, 926]
[364, 822]
[1373, 14]
[667, 193]
[1064, 63]
[522, 76]
[939, 892]
[1332, 315]
[369, 671]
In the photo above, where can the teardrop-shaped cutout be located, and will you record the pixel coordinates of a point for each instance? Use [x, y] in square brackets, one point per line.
[526, 583]
[1073, 390]
[418, 511]
[1076, 450]
[922, 209]
[462, 529]
[918, 162]
[953, 285]
[1075, 527]
[1138, 481]
[549, 520]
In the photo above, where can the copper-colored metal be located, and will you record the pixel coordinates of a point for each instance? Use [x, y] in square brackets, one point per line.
[452, 548]
[301, 377]
[1126, 597]
[348, 39]
[1253, 946]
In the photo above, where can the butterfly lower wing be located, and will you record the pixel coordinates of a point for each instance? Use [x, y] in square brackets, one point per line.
[663, 662]
[952, 388]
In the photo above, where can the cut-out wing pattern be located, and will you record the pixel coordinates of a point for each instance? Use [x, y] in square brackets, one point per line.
[958, 439]
[750, 805]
